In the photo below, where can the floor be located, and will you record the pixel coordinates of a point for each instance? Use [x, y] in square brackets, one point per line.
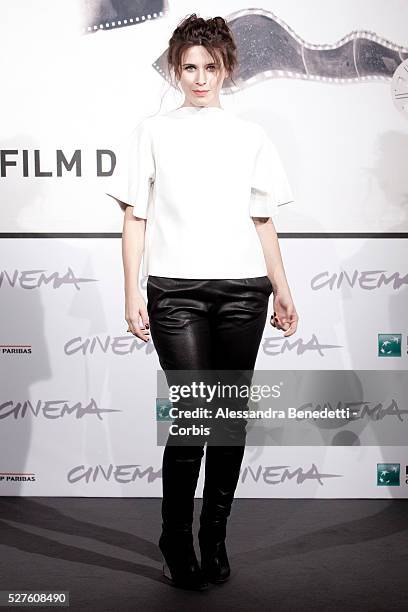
[289, 555]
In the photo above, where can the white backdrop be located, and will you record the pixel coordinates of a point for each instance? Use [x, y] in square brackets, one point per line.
[77, 394]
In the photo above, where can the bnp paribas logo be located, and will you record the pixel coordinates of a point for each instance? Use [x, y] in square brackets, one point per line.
[163, 407]
[389, 345]
[388, 474]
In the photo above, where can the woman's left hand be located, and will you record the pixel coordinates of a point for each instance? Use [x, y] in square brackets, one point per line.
[284, 312]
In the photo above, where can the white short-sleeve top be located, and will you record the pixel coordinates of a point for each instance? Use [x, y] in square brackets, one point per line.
[198, 175]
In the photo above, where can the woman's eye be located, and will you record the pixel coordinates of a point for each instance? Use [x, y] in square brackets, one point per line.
[211, 68]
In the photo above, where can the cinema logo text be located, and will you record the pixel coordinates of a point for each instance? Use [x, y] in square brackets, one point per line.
[279, 345]
[128, 473]
[33, 279]
[116, 345]
[51, 409]
[361, 279]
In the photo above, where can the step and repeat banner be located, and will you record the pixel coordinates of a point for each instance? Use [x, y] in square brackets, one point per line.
[79, 396]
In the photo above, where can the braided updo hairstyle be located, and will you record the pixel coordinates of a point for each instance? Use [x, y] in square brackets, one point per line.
[213, 34]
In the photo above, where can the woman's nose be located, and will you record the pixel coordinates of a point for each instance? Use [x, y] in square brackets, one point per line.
[201, 77]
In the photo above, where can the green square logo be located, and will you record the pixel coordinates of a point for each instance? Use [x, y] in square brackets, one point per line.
[388, 474]
[163, 406]
[389, 345]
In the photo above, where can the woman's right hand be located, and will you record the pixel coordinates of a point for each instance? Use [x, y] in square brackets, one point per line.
[136, 313]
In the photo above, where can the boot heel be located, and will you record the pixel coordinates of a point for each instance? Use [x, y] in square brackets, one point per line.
[186, 570]
[166, 570]
[214, 558]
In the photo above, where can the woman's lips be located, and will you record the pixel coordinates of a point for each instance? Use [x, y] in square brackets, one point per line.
[200, 93]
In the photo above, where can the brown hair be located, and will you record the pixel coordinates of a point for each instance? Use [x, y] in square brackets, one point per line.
[213, 34]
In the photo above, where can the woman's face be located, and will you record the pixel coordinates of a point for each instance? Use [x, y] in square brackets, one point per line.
[200, 73]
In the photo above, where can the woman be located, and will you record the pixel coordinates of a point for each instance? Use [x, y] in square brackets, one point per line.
[203, 185]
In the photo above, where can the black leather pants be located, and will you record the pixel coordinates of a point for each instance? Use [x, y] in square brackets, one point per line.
[205, 324]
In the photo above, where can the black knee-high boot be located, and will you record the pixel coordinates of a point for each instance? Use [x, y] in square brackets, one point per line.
[180, 472]
[222, 468]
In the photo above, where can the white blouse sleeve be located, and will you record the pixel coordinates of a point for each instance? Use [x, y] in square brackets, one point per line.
[270, 186]
[133, 183]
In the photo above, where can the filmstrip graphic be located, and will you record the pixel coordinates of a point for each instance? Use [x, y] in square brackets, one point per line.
[114, 14]
[267, 46]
